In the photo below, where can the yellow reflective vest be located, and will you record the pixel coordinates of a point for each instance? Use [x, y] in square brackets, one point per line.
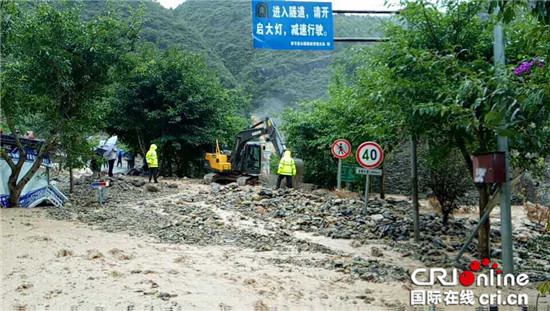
[151, 156]
[286, 165]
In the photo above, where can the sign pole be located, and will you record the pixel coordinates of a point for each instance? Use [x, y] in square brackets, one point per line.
[101, 196]
[339, 178]
[366, 195]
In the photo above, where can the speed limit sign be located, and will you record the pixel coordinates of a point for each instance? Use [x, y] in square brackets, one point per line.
[369, 155]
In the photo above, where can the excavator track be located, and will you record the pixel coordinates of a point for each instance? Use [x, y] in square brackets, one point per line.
[244, 180]
[210, 178]
[222, 178]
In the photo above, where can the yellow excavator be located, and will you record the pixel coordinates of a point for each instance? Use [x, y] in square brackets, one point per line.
[244, 163]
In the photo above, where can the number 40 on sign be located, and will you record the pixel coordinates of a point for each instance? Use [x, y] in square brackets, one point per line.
[369, 155]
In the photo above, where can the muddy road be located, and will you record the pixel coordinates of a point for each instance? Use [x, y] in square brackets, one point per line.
[185, 245]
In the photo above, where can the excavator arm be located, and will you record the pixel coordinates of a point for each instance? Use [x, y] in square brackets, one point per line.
[266, 127]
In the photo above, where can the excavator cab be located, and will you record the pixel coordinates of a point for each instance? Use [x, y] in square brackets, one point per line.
[250, 161]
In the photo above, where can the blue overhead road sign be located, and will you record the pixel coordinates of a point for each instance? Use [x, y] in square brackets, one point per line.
[289, 25]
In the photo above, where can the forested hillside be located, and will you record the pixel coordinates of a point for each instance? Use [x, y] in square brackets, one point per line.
[274, 79]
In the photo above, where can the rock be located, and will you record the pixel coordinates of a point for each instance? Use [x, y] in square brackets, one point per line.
[355, 244]
[166, 296]
[216, 187]
[115, 274]
[138, 182]
[265, 248]
[338, 264]
[52, 293]
[266, 192]
[390, 304]
[376, 252]
[152, 188]
[119, 254]
[434, 252]
[249, 281]
[232, 185]
[376, 217]
[522, 238]
[172, 185]
[437, 241]
[256, 198]
[24, 286]
[64, 253]
[94, 254]
[320, 192]
[496, 253]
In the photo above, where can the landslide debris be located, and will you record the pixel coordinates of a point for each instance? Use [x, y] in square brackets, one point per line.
[265, 219]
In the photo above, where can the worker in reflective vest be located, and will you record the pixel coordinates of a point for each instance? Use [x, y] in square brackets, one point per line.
[152, 162]
[287, 169]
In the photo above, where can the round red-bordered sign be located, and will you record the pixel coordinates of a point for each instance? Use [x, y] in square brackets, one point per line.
[369, 155]
[341, 148]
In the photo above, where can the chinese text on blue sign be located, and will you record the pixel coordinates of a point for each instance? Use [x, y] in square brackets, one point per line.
[288, 25]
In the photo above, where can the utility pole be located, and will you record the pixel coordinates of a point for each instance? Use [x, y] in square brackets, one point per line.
[414, 182]
[505, 197]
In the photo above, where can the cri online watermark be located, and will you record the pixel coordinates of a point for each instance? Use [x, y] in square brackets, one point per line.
[494, 277]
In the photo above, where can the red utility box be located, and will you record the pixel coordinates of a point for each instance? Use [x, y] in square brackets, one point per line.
[490, 168]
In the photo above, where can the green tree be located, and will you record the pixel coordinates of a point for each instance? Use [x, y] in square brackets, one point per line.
[443, 62]
[55, 71]
[173, 99]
